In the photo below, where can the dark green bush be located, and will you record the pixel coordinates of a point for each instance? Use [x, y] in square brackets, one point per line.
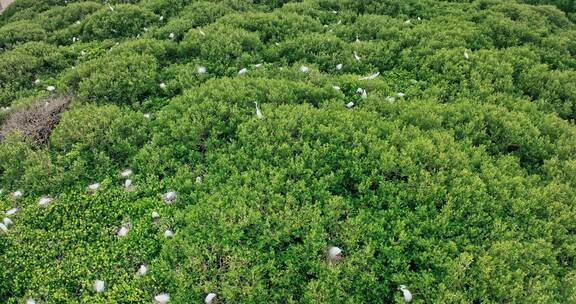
[19, 32]
[126, 20]
[222, 47]
[92, 141]
[132, 80]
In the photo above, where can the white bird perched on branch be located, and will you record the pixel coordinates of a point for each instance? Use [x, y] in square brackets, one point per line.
[99, 286]
[93, 187]
[202, 33]
[163, 86]
[258, 112]
[335, 87]
[201, 69]
[406, 293]
[209, 298]
[16, 194]
[3, 227]
[37, 81]
[110, 7]
[142, 270]
[123, 230]
[350, 105]
[172, 36]
[146, 115]
[44, 201]
[400, 94]
[50, 88]
[12, 211]
[161, 18]
[155, 215]
[466, 55]
[30, 301]
[128, 185]
[370, 77]
[334, 254]
[243, 71]
[162, 298]
[126, 173]
[362, 93]
[304, 69]
[169, 196]
[339, 66]
[168, 233]
[356, 56]
[7, 221]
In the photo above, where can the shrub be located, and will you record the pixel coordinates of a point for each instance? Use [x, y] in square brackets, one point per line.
[24, 165]
[21, 66]
[222, 47]
[125, 20]
[63, 16]
[20, 32]
[134, 78]
[92, 141]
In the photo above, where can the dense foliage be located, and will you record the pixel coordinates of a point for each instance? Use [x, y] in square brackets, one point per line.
[432, 141]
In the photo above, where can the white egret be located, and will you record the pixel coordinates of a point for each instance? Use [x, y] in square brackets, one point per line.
[198, 179]
[16, 194]
[163, 86]
[362, 93]
[3, 227]
[258, 65]
[406, 293]
[110, 7]
[258, 112]
[128, 185]
[7, 221]
[339, 66]
[201, 69]
[141, 270]
[168, 233]
[12, 211]
[162, 298]
[123, 230]
[145, 29]
[350, 105]
[82, 53]
[169, 196]
[243, 71]
[209, 298]
[30, 301]
[466, 55]
[50, 88]
[37, 81]
[304, 69]
[78, 22]
[400, 94]
[370, 77]
[335, 87]
[94, 187]
[339, 22]
[356, 56]
[161, 18]
[146, 115]
[172, 36]
[44, 201]
[202, 33]
[334, 254]
[126, 173]
[407, 22]
[391, 98]
[99, 286]
[155, 215]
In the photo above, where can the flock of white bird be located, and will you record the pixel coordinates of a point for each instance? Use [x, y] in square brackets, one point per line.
[334, 253]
